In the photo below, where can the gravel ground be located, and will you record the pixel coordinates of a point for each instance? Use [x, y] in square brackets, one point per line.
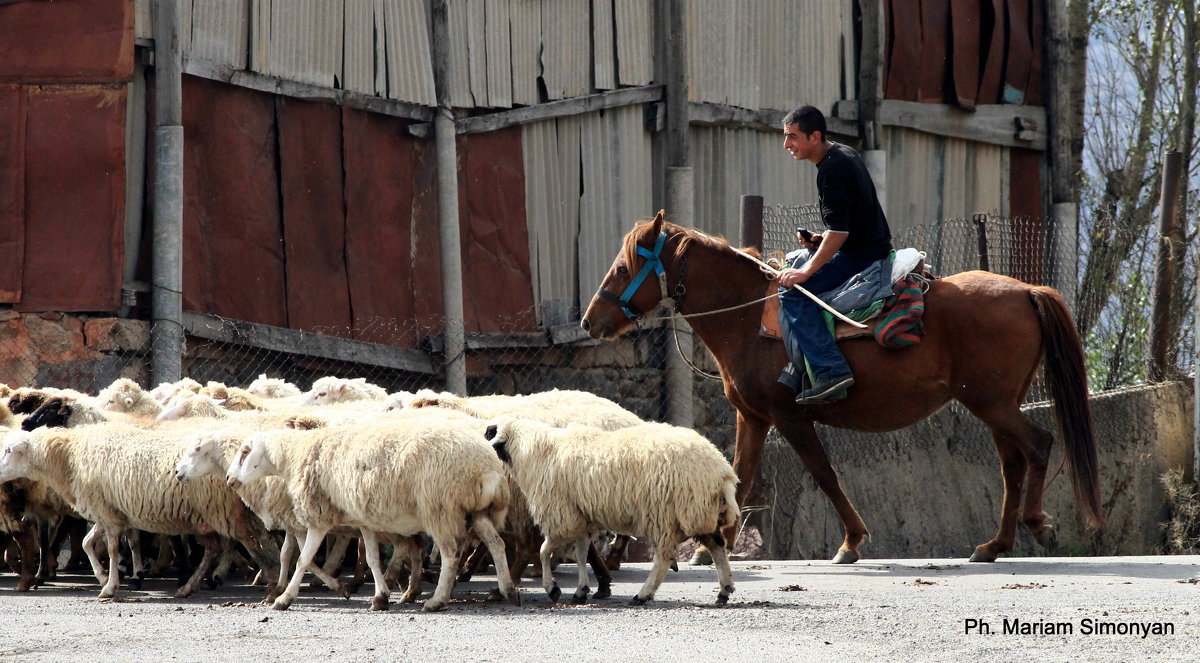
[895, 610]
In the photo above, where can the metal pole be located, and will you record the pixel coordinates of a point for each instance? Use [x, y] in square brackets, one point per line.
[680, 407]
[750, 222]
[981, 232]
[166, 332]
[1164, 271]
[448, 215]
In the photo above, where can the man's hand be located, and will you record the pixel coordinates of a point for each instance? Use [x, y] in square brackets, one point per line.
[805, 241]
[792, 276]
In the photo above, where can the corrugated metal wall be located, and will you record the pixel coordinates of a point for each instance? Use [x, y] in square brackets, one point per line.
[776, 54]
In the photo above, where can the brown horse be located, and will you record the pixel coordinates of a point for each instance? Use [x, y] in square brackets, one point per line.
[985, 337]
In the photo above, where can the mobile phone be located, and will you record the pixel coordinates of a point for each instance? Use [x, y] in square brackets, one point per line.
[804, 232]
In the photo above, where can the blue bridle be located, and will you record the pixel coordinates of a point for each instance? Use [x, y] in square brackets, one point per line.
[653, 263]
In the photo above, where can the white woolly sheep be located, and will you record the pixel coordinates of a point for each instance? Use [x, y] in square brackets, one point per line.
[420, 475]
[332, 389]
[556, 407]
[165, 390]
[125, 395]
[266, 387]
[658, 481]
[122, 477]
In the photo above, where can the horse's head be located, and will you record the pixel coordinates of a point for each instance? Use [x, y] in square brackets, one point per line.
[635, 284]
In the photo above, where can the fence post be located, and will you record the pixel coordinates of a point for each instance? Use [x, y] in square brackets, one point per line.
[166, 331]
[679, 378]
[1164, 270]
[750, 222]
[981, 232]
[444, 134]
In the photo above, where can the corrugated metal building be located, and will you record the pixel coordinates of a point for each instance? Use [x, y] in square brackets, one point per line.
[309, 168]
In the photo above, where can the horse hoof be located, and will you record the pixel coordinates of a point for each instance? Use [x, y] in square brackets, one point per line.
[845, 557]
[602, 592]
[555, 592]
[379, 603]
[983, 556]
[702, 557]
[1048, 539]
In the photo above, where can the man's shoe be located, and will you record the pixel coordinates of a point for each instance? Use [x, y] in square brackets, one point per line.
[824, 390]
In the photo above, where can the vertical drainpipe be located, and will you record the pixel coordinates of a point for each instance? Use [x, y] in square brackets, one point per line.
[679, 378]
[166, 333]
[448, 219]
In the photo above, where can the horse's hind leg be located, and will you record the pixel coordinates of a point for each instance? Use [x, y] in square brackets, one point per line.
[803, 438]
[1024, 451]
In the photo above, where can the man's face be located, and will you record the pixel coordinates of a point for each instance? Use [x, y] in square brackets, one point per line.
[802, 146]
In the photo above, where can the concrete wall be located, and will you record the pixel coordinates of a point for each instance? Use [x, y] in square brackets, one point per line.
[934, 490]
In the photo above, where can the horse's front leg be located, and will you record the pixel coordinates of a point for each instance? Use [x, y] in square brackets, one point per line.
[747, 453]
[801, 434]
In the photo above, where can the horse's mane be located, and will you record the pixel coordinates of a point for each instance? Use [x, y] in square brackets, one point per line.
[690, 236]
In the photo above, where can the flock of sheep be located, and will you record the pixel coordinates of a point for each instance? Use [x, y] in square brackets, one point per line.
[513, 476]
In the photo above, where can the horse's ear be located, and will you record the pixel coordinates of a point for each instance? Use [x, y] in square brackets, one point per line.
[656, 225]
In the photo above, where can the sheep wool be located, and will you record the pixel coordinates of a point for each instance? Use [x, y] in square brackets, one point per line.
[661, 482]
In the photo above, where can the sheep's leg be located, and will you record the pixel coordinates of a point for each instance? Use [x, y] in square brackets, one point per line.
[113, 537]
[720, 554]
[662, 563]
[212, 552]
[545, 553]
[415, 549]
[162, 561]
[308, 550]
[48, 554]
[581, 553]
[360, 567]
[136, 567]
[449, 548]
[603, 577]
[335, 552]
[89, 548]
[370, 543]
[486, 531]
[285, 564]
[26, 540]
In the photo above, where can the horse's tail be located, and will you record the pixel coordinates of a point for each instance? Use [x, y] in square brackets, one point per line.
[1067, 379]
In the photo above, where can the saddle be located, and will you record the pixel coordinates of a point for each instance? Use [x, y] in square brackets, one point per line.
[894, 322]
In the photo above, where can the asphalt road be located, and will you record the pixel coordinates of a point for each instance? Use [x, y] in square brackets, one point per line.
[1018, 609]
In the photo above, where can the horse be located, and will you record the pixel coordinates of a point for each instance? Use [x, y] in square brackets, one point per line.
[985, 337]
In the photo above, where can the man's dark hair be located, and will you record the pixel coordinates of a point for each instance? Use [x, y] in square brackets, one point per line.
[807, 118]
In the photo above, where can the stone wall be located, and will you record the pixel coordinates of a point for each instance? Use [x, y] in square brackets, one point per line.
[77, 351]
[934, 489]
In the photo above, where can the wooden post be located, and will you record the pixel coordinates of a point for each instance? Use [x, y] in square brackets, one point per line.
[981, 232]
[1169, 241]
[870, 76]
[750, 220]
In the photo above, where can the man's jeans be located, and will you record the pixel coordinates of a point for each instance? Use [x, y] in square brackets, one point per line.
[804, 331]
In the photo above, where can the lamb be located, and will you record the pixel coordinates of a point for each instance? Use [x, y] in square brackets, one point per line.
[331, 389]
[272, 387]
[663, 482]
[423, 474]
[125, 395]
[233, 398]
[122, 477]
[164, 391]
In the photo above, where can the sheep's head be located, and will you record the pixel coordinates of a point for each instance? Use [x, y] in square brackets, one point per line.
[14, 458]
[251, 462]
[26, 402]
[499, 433]
[201, 459]
[54, 413]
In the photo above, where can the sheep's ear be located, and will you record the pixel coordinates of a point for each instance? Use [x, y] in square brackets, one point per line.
[490, 434]
[339, 387]
[64, 409]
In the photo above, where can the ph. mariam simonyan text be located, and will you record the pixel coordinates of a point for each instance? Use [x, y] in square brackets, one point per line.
[1085, 626]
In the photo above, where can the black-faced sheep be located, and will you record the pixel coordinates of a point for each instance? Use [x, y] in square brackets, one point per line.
[658, 481]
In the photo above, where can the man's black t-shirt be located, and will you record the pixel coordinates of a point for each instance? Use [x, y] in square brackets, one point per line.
[849, 204]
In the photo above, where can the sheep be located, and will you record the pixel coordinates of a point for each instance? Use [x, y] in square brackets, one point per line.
[272, 387]
[423, 474]
[655, 480]
[233, 398]
[331, 389]
[556, 407]
[125, 395]
[122, 477]
[165, 390]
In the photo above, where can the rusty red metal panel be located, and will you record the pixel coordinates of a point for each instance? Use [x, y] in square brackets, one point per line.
[314, 220]
[1037, 37]
[1025, 200]
[1020, 53]
[993, 15]
[67, 40]
[12, 191]
[935, 40]
[965, 43]
[497, 291]
[904, 50]
[378, 162]
[233, 239]
[74, 198]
